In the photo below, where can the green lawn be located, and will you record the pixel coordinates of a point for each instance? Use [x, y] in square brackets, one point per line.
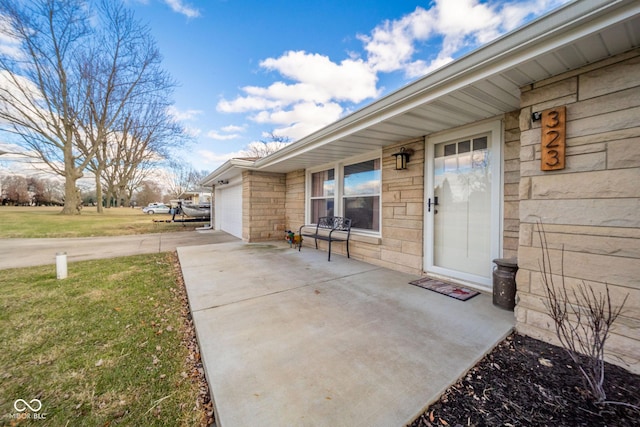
[106, 346]
[102, 347]
[39, 221]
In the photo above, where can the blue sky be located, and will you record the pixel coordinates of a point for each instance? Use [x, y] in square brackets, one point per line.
[245, 68]
[249, 67]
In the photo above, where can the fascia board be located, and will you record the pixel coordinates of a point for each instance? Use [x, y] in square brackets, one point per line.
[229, 169]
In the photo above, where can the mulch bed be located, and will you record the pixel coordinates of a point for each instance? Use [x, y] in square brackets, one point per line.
[527, 382]
[194, 361]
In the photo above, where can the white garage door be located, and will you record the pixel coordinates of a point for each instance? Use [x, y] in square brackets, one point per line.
[229, 210]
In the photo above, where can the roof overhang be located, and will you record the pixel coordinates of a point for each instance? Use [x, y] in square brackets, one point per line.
[229, 170]
[483, 84]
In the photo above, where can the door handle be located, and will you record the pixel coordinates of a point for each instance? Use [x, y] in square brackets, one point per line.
[435, 203]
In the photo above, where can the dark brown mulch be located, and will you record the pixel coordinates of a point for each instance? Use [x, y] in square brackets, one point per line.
[194, 362]
[527, 382]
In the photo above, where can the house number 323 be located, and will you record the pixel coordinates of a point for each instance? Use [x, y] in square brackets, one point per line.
[553, 139]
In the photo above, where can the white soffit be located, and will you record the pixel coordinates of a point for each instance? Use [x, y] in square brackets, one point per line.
[481, 85]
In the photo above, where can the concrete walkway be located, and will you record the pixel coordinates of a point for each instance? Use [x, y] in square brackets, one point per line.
[18, 253]
[289, 339]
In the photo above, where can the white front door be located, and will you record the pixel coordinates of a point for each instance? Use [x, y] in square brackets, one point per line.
[463, 203]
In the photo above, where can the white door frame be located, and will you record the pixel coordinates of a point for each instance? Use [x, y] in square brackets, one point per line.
[494, 129]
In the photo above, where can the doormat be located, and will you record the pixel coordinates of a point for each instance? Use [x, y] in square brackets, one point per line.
[448, 289]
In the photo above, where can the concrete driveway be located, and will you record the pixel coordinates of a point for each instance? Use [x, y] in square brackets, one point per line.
[289, 339]
[18, 253]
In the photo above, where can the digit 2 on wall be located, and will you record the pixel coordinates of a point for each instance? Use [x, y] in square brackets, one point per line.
[553, 139]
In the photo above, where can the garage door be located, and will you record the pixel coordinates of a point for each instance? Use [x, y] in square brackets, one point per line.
[229, 210]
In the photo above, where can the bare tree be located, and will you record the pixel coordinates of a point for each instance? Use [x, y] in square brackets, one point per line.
[72, 80]
[36, 188]
[145, 136]
[128, 99]
[16, 190]
[53, 191]
[184, 178]
[268, 145]
[148, 192]
[42, 88]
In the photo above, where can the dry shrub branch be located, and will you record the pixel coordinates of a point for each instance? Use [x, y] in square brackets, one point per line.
[582, 321]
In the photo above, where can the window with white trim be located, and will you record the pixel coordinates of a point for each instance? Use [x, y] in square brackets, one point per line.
[322, 194]
[349, 189]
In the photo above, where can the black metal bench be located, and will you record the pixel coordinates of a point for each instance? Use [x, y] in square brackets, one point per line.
[325, 229]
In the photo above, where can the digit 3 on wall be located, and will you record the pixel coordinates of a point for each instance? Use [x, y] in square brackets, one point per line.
[553, 143]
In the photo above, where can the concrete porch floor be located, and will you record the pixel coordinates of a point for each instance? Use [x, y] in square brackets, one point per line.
[289, 339]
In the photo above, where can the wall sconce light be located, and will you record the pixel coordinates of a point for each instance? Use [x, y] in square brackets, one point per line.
[402, 158]
[223, 181]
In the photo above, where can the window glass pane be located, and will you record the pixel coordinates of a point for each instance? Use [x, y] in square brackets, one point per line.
[450, 149]
[464, 146]
[362, 178]
[323, 184]
[319, 208]
[464, 162]
[363, 211]
[480, 143]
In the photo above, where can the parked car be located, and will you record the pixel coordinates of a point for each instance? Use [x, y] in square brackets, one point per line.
[156, 208]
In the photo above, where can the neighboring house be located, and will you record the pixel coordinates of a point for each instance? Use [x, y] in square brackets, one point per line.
[200, 196]
[477, 149]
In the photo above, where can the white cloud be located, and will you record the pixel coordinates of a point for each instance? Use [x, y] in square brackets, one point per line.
[246, 103]
[391, 44]
[191, 131]
[233, 128]
[213, 159]
[185, 115]
[302, 119]
[180, 6]
[315, 79]
[450, 27]
[350, 80]
[310, 98]
[222, 136]
[9, 45]
[226, 133]
[313, 91]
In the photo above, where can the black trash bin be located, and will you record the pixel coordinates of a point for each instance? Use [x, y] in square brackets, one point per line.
[504, 282]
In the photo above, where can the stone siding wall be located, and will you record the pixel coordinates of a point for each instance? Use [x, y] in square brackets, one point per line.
[294, 200]
[402, 201]
[511, 195]
[592, 207]
[402, 246]
[263, 206]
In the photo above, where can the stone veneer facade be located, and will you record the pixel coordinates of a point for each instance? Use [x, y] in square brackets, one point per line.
[511, 182]
[592, 207]
[401, 246]
[401, 209]
[263, 206]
